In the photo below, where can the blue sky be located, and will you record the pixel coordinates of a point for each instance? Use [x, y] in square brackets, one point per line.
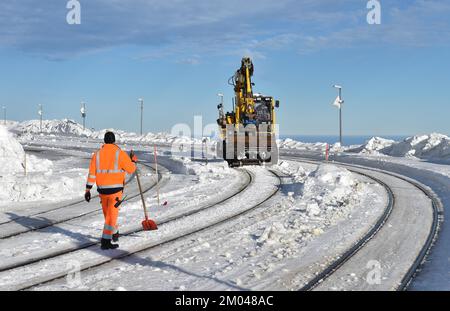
[178, 54]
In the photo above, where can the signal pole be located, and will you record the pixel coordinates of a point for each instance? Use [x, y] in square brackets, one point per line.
[83, 114]
[141, 101]
[40, 112]
[340, 110]
[220, 106]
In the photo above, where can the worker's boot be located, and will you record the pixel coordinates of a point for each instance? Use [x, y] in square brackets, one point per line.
[106, 244]
[115, 237]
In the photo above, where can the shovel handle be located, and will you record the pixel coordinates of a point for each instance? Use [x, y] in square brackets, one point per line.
[156, 171]
[140, 191]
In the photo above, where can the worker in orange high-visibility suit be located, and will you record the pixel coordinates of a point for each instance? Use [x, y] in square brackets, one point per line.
[107, 170]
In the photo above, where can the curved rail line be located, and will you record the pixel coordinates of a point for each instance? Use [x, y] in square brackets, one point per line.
[272, 194]
[66, 204]
[84, 149]
[250, 180]
[335, 265]
[52, 223]
[437, 219]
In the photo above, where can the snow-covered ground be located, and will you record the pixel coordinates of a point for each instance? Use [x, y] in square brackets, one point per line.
[318, 212]
[431, 169]
[311, 202]
[242, 254]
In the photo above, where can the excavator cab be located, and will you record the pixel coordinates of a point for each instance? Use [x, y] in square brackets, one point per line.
[248, 133]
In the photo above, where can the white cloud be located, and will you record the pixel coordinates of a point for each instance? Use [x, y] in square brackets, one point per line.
[186, 30]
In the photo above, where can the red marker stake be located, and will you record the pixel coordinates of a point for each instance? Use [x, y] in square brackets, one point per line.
[155, 151]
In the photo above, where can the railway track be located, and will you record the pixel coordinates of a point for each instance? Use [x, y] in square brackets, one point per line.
[69, 204]
[128, 254]
[119, 255]
[88, 244]
[33, 222]
[313, 283]
[383, 219]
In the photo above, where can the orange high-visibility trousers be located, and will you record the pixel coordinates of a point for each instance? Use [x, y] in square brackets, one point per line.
[111, 213]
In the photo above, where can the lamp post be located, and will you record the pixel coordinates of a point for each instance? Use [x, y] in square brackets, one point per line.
[40, 112]
[4, 115]
[83, 114]
[141, 101]
[220, 106]
[221, 97]
[338, 103]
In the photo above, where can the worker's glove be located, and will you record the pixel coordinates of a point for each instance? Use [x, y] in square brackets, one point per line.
[133, 157]
[87, 196]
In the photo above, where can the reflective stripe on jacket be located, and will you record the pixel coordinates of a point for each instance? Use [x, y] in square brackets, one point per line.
[108, 167]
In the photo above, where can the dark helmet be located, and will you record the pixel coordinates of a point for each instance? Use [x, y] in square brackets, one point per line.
[110, 138]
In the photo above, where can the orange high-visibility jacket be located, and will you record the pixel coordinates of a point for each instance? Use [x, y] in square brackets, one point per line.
[107, 169]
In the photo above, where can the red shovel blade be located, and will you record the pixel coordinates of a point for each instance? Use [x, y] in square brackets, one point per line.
[149, 225]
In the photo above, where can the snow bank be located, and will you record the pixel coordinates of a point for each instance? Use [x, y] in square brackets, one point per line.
[373, 146]
[40, 182]
[328, 187]
[12, 156]
[316, 200]
[130, 137]
[11, 153]
[289, 143]
[205, 172]
[42, 187]
[67, 127]
[9, 124]
[57, 127]
[433, 146]
[297, 172]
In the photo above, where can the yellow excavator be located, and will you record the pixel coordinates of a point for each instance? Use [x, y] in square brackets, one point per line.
[248, 132]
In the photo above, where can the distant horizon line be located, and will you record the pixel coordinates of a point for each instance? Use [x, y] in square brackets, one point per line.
[281, 135]
[351, 135]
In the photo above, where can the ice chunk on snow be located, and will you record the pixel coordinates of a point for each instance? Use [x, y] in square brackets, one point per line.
[331, 175]
[313, 209]
[272, 233]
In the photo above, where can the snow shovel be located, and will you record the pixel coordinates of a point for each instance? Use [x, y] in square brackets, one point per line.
[147, 224]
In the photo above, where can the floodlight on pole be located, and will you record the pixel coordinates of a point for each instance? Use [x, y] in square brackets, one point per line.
[83, 114]
[221, 97]
[339, 103]
[141, 101]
